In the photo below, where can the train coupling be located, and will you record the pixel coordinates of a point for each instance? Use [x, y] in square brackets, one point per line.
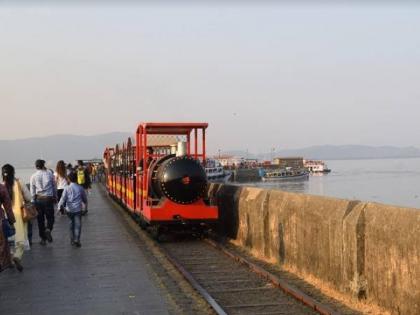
[177, 217]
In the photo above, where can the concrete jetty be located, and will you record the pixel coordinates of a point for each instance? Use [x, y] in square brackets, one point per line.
[107, 275]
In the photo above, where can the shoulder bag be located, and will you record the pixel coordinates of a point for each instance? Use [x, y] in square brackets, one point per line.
[29, 211]
[8, 229]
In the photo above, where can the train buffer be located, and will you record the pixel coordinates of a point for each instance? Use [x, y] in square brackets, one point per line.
[107, 275]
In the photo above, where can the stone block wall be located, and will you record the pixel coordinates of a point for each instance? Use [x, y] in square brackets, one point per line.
[368, 250]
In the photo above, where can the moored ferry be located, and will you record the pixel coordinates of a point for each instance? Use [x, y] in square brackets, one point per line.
[316, 166]
[284, 174]
[215, 171]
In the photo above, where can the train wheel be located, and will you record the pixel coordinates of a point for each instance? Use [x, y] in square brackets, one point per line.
[142, 223]
[158, 233]
[155, 232]
[200, 232]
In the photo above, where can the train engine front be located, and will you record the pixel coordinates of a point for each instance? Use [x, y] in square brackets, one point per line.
[181, 179]
[172, 183]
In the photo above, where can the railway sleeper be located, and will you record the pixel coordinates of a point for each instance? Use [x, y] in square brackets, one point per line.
[207, 272]
[240, 290]
[210, 264]
[258, 305]
[224, 281]
[252, 297]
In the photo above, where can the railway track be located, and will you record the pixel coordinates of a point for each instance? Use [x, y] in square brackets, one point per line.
[228, 282]
[233, 285]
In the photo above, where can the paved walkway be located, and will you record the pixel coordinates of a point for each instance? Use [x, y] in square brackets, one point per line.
[107, 275]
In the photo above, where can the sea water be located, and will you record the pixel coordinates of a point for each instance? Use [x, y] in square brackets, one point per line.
[389, 181]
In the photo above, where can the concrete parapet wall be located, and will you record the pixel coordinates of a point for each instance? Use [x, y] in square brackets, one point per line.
[392, 257]
[367, 250]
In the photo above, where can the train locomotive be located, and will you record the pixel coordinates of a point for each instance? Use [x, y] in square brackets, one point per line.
[160, 178]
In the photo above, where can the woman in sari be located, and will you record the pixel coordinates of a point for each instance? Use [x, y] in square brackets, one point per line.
[19, 195]
[5, 211]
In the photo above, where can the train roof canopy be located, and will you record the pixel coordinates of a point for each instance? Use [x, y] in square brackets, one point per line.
[172, 128]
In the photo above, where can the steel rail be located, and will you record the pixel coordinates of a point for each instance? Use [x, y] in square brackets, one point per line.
[281, 284]
[276, 281]
[203, 292]
[189, 278]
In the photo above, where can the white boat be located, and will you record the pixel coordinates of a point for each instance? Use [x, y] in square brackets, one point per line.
[215, 171]
[285, 174]
[316, 166]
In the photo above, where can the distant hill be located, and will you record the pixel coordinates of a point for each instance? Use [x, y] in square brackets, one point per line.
[23, 152]
[341, 152]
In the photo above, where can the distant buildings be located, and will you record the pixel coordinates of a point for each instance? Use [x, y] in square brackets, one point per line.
[230, 161]
[250, 163]
[293, 162]
[296, 163]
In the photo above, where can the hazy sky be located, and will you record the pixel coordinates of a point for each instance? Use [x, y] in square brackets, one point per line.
[263, 76]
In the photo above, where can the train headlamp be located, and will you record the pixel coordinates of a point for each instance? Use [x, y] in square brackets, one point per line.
[186, 180]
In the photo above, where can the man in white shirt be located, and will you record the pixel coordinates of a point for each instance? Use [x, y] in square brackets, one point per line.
[44, 196]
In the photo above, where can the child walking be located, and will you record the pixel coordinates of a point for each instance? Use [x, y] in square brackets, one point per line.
[73, 200]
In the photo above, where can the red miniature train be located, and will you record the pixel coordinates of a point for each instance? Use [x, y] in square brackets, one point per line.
[161, 178]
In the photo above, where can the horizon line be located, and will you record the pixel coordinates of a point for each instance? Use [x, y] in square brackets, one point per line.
[225, 150]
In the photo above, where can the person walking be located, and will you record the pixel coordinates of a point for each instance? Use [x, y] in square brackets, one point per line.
[73, 199]
[69, 169]
[44, 196]
[5, 211]
[93, 173]
[84, 180]
[19, 195]
[61, 180]
[83, 175]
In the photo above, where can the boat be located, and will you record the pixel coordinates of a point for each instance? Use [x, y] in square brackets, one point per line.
[215, 171]
[284, 174]
[316, 166]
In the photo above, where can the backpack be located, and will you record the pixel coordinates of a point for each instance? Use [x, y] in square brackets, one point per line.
[81, 179]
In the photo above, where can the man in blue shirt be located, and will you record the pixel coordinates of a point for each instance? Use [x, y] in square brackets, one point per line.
[44, 196]
[74, 199]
